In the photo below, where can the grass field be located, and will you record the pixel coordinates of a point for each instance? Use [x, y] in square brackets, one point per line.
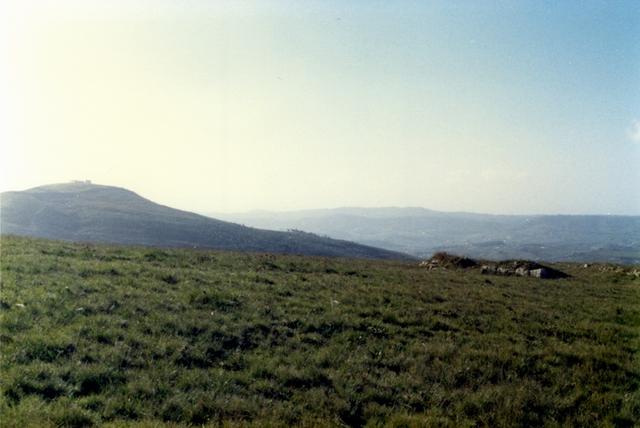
[95, 335]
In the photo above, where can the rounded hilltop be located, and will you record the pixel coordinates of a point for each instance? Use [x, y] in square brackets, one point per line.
[71, 186]
[86, 212]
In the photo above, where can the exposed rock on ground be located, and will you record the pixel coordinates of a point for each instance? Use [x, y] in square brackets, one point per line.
[448, 261]
[522, 268]
[443, 260]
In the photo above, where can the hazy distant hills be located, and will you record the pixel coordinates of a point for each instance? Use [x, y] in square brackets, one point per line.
[88, 212]
[421, 232]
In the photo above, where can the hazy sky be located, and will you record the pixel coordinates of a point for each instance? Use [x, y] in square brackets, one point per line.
[501, 107]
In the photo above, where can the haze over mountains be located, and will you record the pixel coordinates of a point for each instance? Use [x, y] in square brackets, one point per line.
[82, 211]
[420, 232]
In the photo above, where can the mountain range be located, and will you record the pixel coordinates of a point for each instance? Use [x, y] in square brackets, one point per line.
[81, 211]
[421, 232]
[85, 212]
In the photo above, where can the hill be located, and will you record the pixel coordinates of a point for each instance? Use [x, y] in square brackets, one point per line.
[421, 232]
[94, 213]
[99, 335]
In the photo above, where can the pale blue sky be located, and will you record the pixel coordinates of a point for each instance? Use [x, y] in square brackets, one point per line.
[502, 107]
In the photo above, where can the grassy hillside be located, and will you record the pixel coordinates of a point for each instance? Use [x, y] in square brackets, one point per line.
[93, 213]
[117, 335]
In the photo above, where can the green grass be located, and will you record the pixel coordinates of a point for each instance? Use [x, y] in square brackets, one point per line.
[154, 337]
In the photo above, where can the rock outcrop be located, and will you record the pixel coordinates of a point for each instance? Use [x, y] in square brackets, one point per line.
[523, 268]
[448, 261]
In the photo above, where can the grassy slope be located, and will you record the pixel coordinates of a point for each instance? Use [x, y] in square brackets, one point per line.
[118, 334]
[95, 213]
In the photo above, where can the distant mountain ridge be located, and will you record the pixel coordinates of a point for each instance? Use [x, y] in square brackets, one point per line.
[81, 211]
[421, 232]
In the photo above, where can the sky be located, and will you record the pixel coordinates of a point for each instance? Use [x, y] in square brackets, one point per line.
[509, 107]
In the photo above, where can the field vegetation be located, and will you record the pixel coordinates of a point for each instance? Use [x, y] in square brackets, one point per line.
[135, 336]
